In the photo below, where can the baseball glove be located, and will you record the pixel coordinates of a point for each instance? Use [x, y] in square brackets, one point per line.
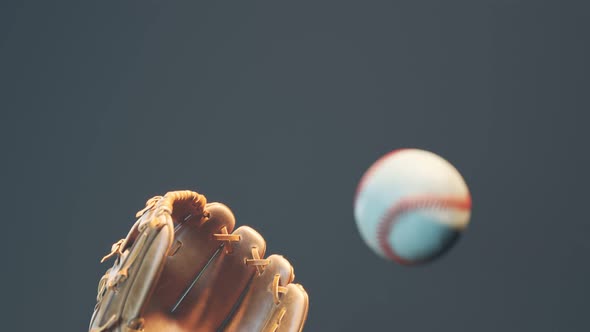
[183, 268]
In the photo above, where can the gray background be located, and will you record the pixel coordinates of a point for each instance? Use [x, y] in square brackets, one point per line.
[276, 109]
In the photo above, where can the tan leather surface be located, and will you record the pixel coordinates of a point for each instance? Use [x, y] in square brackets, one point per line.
[187, 273]
[296, 305]
[217, 291]
[197, 247]
[258, 310]
[130, 281]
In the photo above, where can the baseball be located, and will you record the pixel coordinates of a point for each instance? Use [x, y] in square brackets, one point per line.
[411, 206]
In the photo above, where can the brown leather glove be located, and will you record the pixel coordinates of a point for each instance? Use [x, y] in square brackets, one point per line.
[181, 268]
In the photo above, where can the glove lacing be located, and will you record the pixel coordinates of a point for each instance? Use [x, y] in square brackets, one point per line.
[255, 261]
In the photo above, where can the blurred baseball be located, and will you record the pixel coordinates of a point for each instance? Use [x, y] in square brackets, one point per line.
[411, 206]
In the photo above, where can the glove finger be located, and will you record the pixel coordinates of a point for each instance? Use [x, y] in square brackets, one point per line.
[292, 313]
[271, 302]
[193, 247]
[211, 298]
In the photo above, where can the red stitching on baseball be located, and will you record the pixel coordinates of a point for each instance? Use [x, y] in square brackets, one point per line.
[421, 202]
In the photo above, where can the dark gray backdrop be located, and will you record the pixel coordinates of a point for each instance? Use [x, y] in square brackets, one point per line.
[276, 109]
